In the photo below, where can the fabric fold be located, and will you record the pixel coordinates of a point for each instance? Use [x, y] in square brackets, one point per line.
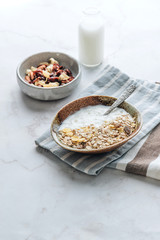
[130, 157]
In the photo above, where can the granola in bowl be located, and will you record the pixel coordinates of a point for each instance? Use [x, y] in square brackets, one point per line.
[92, 137]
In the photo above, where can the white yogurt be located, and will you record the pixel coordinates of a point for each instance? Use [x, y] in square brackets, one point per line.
[91, 115]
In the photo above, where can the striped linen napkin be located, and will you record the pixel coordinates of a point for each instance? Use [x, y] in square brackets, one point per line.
[140, 155]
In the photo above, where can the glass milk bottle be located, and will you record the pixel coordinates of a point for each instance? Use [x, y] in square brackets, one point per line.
[91, 38]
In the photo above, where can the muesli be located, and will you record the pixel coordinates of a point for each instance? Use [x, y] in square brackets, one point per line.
[92, 137]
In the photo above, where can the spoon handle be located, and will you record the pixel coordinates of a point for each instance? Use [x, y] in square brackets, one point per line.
[123, 97]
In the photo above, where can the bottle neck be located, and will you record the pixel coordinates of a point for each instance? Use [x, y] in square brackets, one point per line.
[91, 12]
[91, 19]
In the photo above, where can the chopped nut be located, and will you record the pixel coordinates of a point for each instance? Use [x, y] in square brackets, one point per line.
[44, 63]
[33, 68]
[54, 84]
[28, 71]
[42, 67]
[46, 74]
[63, 76]
[49, 68]
[27, 78]
[42, 83]
[53, 61]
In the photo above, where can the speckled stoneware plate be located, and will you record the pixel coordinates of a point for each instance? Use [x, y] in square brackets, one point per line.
[51, 93]
[76, 105]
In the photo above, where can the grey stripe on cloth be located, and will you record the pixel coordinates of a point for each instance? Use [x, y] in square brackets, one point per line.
[112, 82]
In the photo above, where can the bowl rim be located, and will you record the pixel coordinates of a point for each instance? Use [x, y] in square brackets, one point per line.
[99, 150]
[48, 88]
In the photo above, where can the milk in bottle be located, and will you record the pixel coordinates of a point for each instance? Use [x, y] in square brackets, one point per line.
[91, 38]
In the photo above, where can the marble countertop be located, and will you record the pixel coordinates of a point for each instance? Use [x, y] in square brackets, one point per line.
[42, 198]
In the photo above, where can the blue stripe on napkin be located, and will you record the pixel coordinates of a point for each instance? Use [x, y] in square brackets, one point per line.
[112, 82]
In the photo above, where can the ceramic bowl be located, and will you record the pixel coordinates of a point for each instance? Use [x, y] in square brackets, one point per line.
[51, 93]
[76, 105]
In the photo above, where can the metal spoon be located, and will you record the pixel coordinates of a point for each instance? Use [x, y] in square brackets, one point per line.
[123, 97]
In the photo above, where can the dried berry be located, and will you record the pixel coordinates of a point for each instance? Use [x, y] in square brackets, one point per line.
[70, 79]
[68, 72]
[127, 130]
[53, 79]
[61, 67]
[55, 67]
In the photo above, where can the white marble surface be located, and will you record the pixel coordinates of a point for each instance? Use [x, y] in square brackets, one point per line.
[40, 197]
